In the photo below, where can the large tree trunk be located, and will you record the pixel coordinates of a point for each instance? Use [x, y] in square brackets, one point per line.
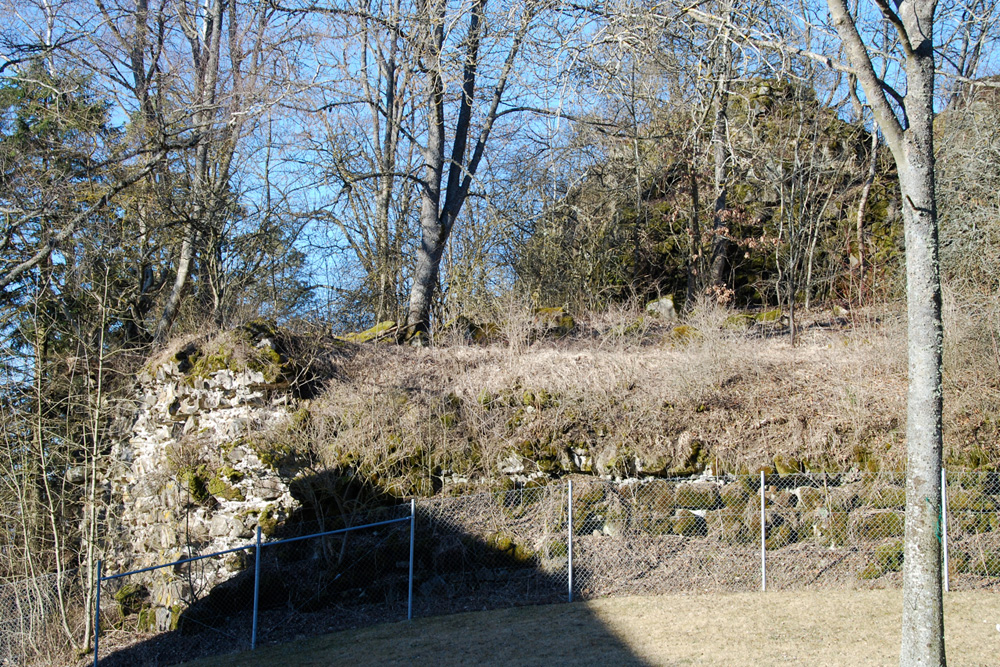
[433, 234]
[912, 146]
[923, 619]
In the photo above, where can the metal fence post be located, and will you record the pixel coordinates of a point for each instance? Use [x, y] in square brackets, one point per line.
[256, 593]
[944, 525]
[413, 522]
[97, 612]
[569, 539]
[763, 543]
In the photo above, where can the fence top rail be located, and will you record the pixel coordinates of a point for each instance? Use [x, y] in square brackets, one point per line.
[334, 532]
[252, 545]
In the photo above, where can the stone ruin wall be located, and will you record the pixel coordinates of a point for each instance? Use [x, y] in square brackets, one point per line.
[190, 480]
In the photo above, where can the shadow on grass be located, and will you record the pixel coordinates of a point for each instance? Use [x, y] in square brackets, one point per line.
[491, 551]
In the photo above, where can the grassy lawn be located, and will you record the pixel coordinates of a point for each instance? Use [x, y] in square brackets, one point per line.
[775, 628]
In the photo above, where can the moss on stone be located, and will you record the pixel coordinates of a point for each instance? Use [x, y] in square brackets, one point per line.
[697, 496]
[553, 322]
[377, 331]
[508, 546]
[220, 488]
[655, 497]
[739, 322]
[131, 598]
[876, 525]
[829, 529]
[147, 620]
[267, 519]
[780, 536]
[886, 497]
[773, 315]
[810, 497]
[683, 334]
[274, 454]
[970, 500]
[689, 524]
[196, 481]
[734, 496]
[786, 465]
[889, 556]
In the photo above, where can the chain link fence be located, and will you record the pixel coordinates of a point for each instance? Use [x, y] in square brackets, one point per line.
[540, 544]
[320, 575]
[35, 618]
[501, 549]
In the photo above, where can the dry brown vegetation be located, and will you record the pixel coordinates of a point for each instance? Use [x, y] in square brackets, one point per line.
[629, 395]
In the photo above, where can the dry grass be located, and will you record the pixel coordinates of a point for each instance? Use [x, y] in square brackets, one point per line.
[836, 400]
[812, 628]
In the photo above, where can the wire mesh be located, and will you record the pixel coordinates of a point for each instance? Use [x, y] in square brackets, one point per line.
[492, 550]
[973, 502]
[835, 530]
[320, 584]
[32, 623]
[512, 547]
[203, 606]
[662, 536]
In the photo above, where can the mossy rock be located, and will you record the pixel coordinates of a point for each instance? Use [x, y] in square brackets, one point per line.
[655, 497]
[727, 526]
[683, 334]
[698, 495]
[828, 529]
[378, 331]
[780, 536]
[693, 462]
[876, 525]
[768, 316]
[739, 322]
[507, 545]
[275, 455]
[810, 498]
[958, 562]
[267, 519]
[735, 496]
[750, 480]
[870, 571]
[220, 488]
[985, 564]
[970, 500]
[889, 557]
[481, 333]
[843, 499]
[131, 598]
[786, 465]
[553, 322]
[230, 474]
[654, 466]
[689, 524]
[780, 499]
[487, 399]
[656, 525]
[196, 480]
[558, 549]
[886, 498]
[401, 488]
[975, 522]
[146, 620]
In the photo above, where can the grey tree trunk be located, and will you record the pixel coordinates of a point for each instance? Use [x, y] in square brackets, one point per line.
[720, 243]
[912, 144]
[923, 618]
[437, 217]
